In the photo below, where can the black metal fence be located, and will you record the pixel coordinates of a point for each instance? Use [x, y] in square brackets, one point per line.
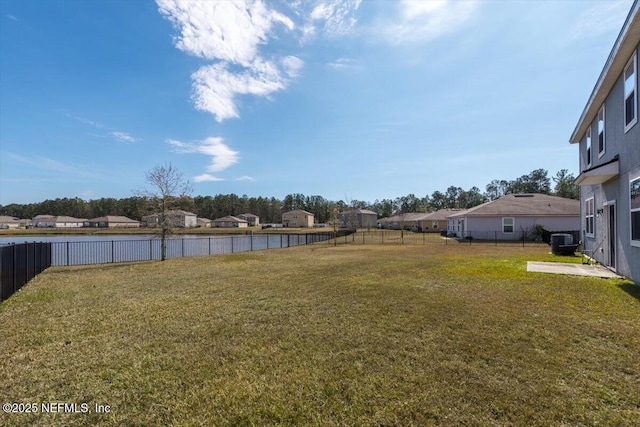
[103, 252]
[20, 263]
[384, 237]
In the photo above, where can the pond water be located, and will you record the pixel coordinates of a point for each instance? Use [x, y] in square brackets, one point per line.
[4, 240]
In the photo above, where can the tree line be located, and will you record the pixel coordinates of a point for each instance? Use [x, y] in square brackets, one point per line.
[270, 209]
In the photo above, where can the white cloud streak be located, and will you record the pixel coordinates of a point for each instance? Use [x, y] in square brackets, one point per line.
[337, 16]
[600, 19]
[231, 34]
[117, 135]
[419, 21]
[123, 136]
[222, 156]
[205, 177]
[42, 163]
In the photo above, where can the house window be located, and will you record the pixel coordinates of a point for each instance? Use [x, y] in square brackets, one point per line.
[588, 159]
[507, 225]
[634, 195]
[630, 94]
[589, 216]
[601, 141]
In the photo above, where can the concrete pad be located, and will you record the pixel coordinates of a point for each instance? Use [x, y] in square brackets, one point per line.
[574, 269]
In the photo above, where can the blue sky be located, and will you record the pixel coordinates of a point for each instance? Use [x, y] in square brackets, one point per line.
[345, 99]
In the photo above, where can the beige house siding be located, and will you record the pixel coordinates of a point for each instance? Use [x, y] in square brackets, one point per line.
[180, 219]
[298, 218]
[252, 220]
[9, 222]
[229, 222]
[358, 218]
[113, 222]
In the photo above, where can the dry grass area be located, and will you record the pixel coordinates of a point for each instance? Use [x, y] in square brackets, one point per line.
[328, 336]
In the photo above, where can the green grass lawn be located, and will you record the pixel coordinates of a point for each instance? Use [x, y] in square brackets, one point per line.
[329, 336]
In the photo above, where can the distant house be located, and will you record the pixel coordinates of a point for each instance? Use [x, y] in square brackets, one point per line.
[358, 218]
[229, 222]
[177, 218]
[252, 220]
[437, 221]
[203, 222]
[608, 135]
[113, 221]
[298, 218]
[508, 217]
[50, 221]
[406, 221]
[10, 222]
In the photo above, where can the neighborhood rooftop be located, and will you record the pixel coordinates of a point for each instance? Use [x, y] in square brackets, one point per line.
[524, 205]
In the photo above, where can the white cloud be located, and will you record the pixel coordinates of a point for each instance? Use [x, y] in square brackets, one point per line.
[342, 63]
[224, 30]
[122, 136]
[423, 21]
[215, 86]
[85, 121]
[245, 178]
[231, 35]
[205, 177]
[337, 16]
[13, 18]
[117, 135]
[222, 157]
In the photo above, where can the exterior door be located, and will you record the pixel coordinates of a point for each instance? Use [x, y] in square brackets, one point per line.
[610, 258]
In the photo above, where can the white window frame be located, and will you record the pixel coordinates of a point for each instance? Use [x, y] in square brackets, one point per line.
[513, 225]
[589, 148]
[601, 112]
[590, 217]
[633, 61]
[632, 210]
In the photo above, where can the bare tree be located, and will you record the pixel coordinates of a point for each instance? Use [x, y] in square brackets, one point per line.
[167, 187]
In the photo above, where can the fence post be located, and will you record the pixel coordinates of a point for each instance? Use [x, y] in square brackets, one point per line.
[67, 254]
[113, 258]
[231, 244]
[150, 249]
[209, 245]
[15, 278]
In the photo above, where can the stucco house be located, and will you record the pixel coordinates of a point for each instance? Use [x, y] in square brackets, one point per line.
[408, 221]
[229, 222]
[113, 221]
[252, 220]
[513, 215]
[203, 222]
[358, 218]
[298, 218]
[50, 221]
[437, 221]
[178, 218]
[608, 136]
